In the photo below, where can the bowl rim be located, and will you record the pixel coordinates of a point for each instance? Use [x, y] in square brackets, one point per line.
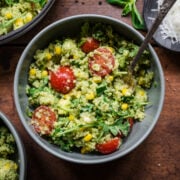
[14, 34]
[19, 144]
[82, 161]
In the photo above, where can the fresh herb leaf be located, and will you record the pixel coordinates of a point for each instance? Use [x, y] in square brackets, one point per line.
[118, 2]
[85, 30]
[114, 130]
[67, 130]
[127, 99]
[9, 2]
[75, 63]
[120, 127]
[87, 108]
[123, 127]
[64, 145]
[100, 89]
[129, 7]
[41, 2]
[75, 102]
[137, 20]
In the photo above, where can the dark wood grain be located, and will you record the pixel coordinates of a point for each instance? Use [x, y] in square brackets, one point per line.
[157, 157]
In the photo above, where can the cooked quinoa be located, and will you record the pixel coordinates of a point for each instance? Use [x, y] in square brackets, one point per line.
[99, 107]
[8, 168]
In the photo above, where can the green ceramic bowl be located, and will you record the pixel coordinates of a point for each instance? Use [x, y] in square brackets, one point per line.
[20, 156]
[71, 26]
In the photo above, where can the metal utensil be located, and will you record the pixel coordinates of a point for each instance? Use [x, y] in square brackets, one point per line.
[164, 9]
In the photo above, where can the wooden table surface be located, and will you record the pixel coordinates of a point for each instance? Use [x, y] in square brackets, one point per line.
[158, 157]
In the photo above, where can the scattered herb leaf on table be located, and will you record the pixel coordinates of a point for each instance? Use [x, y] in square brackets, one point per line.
[129, 7]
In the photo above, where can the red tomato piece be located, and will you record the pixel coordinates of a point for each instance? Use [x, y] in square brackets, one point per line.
[90, 44]
[131, 122]
[43, 120]
[104, 61]
[109, 146]
[63, 80]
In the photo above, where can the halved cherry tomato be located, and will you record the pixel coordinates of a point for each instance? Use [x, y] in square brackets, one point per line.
[109, 146]
[102, 62]
[131, 122]
[43, 120]
[63, 80]
[90, 44]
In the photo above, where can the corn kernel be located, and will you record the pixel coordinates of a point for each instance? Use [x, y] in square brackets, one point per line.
[124, 106]
[141, 92]
[48, 56]
[8, 15]
[71, 117]
[90, 96]
[124, 91]
[15, 166]
[111, 49]
[110, 78]
[28, 17]
[75, 56]
[84, 150]
[97, 79]
[88, 137]
[66, 96]
[32, 72]
[19, 22]
[82, 129]
[57, 50]
[79, 74]
[7, 166]
[140, 81]
[44, 73]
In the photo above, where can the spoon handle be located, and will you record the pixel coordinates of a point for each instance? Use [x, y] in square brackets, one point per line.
[164, 9]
